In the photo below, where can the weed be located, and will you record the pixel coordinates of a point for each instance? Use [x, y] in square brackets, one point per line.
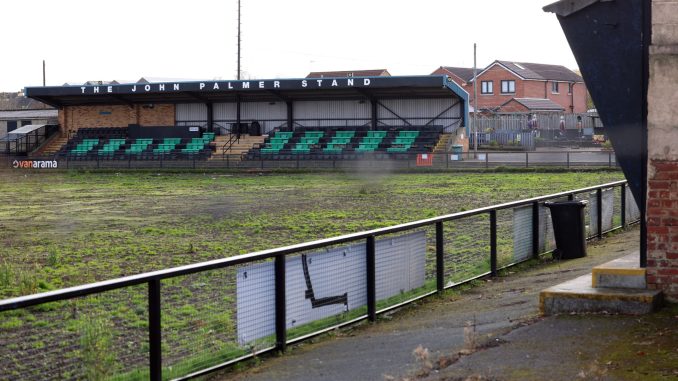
[53, 258]
[96, 341]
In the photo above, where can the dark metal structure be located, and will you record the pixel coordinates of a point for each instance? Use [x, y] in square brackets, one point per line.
[610, 40]
[377, 91]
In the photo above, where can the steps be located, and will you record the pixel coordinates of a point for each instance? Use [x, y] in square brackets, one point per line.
[617, 286]
[441, 146]
[238, 148]
[51, 147]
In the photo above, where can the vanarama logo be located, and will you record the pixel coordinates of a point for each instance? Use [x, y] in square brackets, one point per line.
[37, 164]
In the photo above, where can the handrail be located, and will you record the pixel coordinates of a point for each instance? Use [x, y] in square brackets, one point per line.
[82, 290]
[233, 138]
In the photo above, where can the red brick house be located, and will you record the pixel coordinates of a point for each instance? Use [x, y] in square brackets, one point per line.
[506, 86]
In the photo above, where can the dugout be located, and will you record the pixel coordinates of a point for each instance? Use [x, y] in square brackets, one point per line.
[284, 104]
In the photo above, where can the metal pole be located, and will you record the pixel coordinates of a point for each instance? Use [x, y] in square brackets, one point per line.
[599, 212]
[535, 229]
[154, 330]
[527, 159]
[493, 243]
[623, 206]
[568, 159]
[475, 104]
[371, 279]
[280, 309]
[238, 74]
[440, 269]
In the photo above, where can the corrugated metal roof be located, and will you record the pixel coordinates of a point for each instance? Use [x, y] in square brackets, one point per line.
[29, 114]
[26, 129]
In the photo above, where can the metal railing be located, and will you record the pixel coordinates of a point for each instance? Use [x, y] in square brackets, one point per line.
[400, 161]
[232, 139]
[531, 209]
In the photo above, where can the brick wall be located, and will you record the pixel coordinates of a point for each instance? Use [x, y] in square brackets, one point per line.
[662, 196]
[72, 118]
[496, 74]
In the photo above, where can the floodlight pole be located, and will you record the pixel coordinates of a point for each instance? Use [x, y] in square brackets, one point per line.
[238, 74]
[475, 104]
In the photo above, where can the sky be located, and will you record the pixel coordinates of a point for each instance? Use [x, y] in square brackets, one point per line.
[85, 40]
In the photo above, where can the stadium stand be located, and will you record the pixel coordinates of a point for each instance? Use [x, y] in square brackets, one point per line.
[112, 143]
[346, 143]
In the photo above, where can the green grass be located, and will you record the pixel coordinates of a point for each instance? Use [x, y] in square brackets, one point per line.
[70, 228]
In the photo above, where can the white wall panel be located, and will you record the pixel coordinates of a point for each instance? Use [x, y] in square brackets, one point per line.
[191, 112]
[419, 111]
[332, 113]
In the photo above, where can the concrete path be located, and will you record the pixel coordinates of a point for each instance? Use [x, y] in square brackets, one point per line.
[499, 307]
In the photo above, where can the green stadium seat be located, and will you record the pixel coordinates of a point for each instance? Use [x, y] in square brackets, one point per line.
[344, 134]
[376, 134]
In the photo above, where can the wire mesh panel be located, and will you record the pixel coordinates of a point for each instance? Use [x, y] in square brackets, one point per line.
[588, 232]
[467, 248]
[405, 266]
[325, 288]
[522, 234]
[632, 211]
[616, 208]
[199, 322]
[547, 238]
[89, 338]
[505, 237]
[607, 210]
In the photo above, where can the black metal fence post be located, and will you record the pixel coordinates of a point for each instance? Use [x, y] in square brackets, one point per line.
[493, 243]
[570, 197]
[623, 206]
[568, 159]
[487, 160]
[371, 279]
[527, 159]
[599, 212]
[535, 230]
[154, 330]
[280, 309]
[440, 261]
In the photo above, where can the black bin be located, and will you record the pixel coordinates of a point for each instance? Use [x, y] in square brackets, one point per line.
[569, 228]
[255, 129]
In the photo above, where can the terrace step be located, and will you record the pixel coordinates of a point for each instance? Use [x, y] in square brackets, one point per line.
[441, 146]
[578, 295]
[52, 146]
[624, 272]
[238, 148]
[617, 286]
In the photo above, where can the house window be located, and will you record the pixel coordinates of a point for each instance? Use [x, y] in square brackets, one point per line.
[508, 87]
[569, 88]
[554, 87]
[486, 87]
